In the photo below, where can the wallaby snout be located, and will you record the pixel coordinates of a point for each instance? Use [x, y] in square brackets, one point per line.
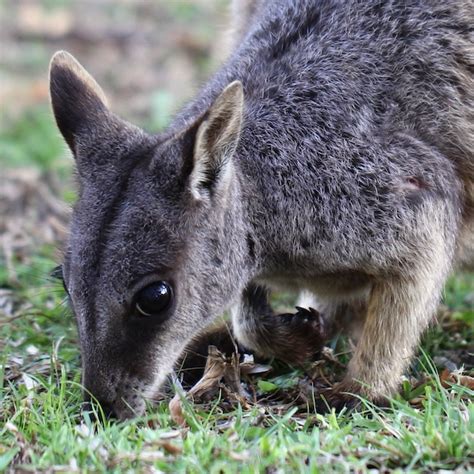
[118, 397]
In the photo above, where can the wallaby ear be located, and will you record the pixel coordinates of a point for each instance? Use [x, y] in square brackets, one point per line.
[79, 104]
[216, 141]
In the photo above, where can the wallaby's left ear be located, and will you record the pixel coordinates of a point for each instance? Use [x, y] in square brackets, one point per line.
[216, 141]
[79, 104]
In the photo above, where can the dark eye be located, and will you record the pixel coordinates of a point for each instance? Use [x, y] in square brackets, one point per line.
[153, 299]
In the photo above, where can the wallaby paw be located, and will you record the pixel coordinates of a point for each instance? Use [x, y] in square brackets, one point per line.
[338, 398]
[302, 335]
[347, 395]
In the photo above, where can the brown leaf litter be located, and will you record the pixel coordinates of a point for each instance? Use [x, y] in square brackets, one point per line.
[32, 215]
[234, 376]
[221, 372]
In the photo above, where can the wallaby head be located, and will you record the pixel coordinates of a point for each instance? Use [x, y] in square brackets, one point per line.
[154, 253]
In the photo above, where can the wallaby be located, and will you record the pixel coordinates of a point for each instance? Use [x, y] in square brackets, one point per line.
[333, 152]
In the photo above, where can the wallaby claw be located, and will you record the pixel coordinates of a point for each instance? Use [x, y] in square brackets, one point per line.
[334, 399]
[344, 395]
[301, 335]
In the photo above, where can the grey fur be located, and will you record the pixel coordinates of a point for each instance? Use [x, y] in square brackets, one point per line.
[352, 178]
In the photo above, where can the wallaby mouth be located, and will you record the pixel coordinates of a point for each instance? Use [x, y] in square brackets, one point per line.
[112, 393]
[121, 406]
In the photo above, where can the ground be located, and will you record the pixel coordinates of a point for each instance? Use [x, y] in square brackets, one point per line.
[150, 56]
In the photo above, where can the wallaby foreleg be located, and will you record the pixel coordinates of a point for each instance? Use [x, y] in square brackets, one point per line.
[293, 338]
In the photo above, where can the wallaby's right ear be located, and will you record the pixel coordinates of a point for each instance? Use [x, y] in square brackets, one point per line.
[216, 141]
[79, 104]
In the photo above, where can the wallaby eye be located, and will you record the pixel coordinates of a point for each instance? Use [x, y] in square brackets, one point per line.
[154, 298]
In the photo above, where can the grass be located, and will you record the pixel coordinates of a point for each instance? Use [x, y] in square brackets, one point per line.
[429, 427]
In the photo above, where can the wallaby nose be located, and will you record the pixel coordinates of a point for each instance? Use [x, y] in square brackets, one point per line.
[108, 410]
[105, 409]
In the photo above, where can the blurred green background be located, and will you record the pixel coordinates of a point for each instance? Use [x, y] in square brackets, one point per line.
[149, 56]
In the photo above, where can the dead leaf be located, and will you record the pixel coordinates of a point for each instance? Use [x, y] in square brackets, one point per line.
[176, 410]
[214, 371]
[144, 456]
[448, 378]
[328, 354]
[170, 434]
[417, 401]
[171, 448]
[242, 456]
[249, 367]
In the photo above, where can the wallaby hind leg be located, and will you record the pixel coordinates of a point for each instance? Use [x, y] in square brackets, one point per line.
[399, 309]
[293, 338]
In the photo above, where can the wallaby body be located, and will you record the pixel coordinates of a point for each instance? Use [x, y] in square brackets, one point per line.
[339, 160]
